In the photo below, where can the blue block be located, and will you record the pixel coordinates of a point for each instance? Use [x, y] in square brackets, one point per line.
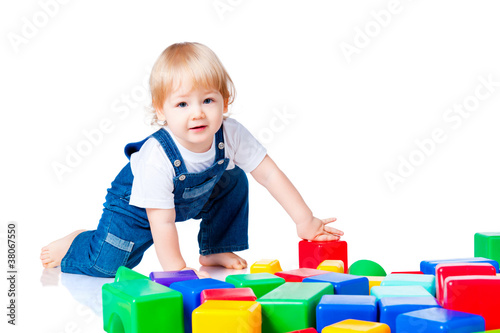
[428, 281]
[391, 307]
[334, 308]
[399, 291]
[343, 284]
[429, 266]
[191, 295]
[436, 320]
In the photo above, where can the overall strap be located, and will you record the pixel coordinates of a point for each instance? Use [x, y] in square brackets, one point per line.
[219, 141]
[171, 150]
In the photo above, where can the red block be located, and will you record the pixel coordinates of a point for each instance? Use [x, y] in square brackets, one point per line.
[408, 272]
[459, 269]
[228, 294]
[297, 275]
[311, 254]
[307, 330]
[477, 294]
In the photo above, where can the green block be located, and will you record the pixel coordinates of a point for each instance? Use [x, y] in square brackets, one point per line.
[123, 273]
[487, 245]
[140, 306]
[366, 268]
[261, 283]
[292, 306]
[492, 331]
[428, 281]
[398, 291]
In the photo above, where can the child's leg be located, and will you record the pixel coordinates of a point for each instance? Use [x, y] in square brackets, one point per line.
[53, 253]
[224, 226]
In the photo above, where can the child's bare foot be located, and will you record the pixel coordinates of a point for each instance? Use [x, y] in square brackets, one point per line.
[53, 253]
[226, 259]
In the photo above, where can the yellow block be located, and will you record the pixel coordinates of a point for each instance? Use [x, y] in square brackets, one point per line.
[266, 266]
[352, 325]
[227, 317]
[336, 266]
[374, 281]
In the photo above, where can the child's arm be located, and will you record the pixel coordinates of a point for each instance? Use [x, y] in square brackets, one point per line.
[165, 238]
[275, 181]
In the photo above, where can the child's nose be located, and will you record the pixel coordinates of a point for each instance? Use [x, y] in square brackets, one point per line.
[198, 113]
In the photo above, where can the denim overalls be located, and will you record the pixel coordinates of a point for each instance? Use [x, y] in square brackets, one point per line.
[217, 196]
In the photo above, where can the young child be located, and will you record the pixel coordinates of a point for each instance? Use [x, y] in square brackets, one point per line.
[193, 167]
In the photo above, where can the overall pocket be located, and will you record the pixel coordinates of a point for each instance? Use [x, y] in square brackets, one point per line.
[199, 190]
[114, 253]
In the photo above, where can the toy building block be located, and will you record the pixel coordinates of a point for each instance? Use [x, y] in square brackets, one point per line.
[474, 294]
[334, 308]
[266, 266]
[307, 330]
[191, 294]
[311, 254]
[445, 270]
[427, 281]
[140, 306]
[169, 277]
[292, 306]
[429, 266]
[399, 291]
[391, 307]
[260, 283]
[374, 281]
[336, 266]
[123, 273]
[343, 284]
[437, 319]
[487, 245]
[216, 316]
[354, 325]
[366, 268]
[297, 275]
[229, 294]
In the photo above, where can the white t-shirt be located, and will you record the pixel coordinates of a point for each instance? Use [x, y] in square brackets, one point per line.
[153, 172]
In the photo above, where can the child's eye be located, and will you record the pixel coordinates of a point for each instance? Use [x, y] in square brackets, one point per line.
[208, 101]
[182, 104]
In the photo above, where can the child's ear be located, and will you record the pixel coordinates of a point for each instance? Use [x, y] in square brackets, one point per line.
[226, 104]
[160, 115]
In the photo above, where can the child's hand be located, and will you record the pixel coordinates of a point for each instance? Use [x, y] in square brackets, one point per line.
[317, 230]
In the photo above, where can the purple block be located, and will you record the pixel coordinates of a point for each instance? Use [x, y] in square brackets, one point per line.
[167, 278]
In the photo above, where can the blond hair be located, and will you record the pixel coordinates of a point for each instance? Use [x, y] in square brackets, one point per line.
[188, 61]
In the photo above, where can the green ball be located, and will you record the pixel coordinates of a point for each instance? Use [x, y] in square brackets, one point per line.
[366, 268]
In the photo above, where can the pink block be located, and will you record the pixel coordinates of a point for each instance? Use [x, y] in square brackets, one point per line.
[297, 275]
[228, 294]
[311, 254]
[459, 269]
[307, 330]
[476, 294]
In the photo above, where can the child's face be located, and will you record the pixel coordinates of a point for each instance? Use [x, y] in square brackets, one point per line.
[193, 115]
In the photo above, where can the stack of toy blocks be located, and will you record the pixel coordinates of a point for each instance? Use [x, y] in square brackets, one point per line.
[322, 296]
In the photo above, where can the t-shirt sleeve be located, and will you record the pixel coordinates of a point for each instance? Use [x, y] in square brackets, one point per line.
[247, 152]
[152, 186]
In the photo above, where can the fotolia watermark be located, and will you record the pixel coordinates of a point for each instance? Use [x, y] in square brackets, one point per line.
[363, 36]
[30, 27]
[453, 117]
[90, 138]
[224, 6]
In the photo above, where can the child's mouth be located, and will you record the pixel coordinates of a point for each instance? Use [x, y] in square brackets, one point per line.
[198, 128]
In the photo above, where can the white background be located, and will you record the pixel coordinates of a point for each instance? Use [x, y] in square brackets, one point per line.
[350, 121]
